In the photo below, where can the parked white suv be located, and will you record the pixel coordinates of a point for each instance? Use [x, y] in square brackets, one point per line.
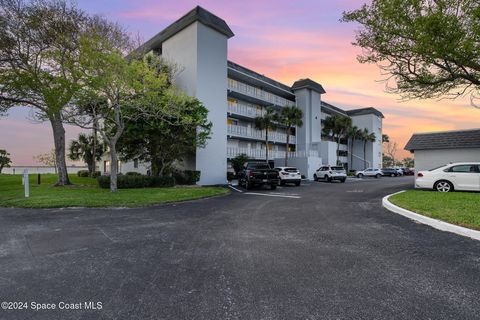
[454, 176]
[289, 175]
[370, 172]
[330, 173]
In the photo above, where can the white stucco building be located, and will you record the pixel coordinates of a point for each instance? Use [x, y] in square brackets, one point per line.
[197, 43]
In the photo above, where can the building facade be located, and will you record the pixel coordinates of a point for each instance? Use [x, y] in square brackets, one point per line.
[197, 43]
[435, 149]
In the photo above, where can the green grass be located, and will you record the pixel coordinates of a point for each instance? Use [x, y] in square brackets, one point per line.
[85, 193]
[460, 208]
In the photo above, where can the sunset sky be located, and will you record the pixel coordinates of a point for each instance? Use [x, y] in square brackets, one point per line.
[285, 40]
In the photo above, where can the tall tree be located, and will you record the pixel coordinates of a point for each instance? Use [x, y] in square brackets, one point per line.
[408, 162]
[391, 150]
[84, 148]
[385, 138]
[290, 117]
[267, 122]
[40, 50]
[354, 133]
[337, 127]
[366, 137]
[5, 160]
[123, 85]
[431, 49]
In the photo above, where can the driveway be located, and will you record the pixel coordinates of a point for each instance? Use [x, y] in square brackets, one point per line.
[319, 251]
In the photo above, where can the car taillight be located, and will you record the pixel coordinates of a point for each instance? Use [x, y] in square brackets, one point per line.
[420, 174]
[250, 174]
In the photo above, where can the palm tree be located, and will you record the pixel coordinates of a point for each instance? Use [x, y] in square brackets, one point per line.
[83, 149]
[267, 122]
[337, 127]
[354, 133]
[367, 136]
[290, 116]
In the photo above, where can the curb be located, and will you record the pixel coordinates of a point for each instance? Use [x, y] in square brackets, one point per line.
[437, 224]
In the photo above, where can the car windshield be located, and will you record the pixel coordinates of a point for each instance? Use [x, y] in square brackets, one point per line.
[291, 169]
[259, 166]
[337, 168]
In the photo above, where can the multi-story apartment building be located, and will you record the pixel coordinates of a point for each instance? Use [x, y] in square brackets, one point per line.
[235, 95]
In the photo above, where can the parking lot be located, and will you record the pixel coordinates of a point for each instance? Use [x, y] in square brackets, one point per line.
[318, 251]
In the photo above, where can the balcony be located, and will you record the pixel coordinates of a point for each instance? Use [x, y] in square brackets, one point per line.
[245, 110]
[258, 93]
[250, 133]
[260, 153]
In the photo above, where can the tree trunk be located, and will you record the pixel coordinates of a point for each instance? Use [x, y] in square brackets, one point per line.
[94, 153]
[364, 155]
[288, 145]
[266, 145]
[113, 167]
[338, 150]
[351, 155]
[59, 140]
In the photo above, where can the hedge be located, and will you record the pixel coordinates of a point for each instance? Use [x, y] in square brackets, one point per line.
[187, 177]
[136, 181]
[85, 174]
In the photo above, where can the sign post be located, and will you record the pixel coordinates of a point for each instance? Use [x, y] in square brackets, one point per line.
[25, 183]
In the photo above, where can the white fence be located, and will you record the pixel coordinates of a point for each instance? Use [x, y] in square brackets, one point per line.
[38, 169]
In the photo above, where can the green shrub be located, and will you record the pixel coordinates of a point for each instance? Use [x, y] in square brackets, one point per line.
[96, 174]
[187, 177]
[230, 176]
[137, 181]
[133, 173]
[83, 173]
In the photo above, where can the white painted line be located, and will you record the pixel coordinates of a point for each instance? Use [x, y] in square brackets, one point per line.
[437, 224]
[238, 190]
[272, 195]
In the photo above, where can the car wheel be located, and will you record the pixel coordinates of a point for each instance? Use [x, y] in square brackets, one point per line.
[393, 175]
[378, 175]
[297, 183]
[343, 180]
[443, 186]
[360, 175]
[329, 179]
[273, 187]
[315, 177]
[247, 185]
[282, 183]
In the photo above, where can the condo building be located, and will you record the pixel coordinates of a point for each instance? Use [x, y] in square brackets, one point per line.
[234, 95]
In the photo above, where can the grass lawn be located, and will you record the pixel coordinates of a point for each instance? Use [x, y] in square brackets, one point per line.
[85, 193]
[460, 208]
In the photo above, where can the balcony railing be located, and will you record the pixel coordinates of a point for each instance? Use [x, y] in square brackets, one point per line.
[272, 154]
[258, 93]
[251, 133]
[245, 110]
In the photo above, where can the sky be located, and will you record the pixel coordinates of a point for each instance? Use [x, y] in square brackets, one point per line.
[282, 39]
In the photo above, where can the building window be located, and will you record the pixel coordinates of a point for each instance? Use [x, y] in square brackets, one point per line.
[232, 122]
[106, 166]
[135, 163]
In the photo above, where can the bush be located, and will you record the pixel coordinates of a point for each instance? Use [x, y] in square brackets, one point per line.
[137, 181]
[83, 173]
[187, 177]
[96, 174]
[132, 173]
[230, 176]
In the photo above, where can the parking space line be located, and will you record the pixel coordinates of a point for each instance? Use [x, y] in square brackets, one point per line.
[272, 195]
[238, 190]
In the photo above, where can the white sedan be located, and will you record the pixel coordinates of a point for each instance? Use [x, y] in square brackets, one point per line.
[454, 176]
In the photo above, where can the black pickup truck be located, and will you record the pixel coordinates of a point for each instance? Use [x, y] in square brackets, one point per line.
[258, 174]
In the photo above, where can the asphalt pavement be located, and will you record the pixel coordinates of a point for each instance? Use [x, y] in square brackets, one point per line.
[318, 251]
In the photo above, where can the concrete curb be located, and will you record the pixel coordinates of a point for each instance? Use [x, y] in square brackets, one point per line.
[437, 224]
